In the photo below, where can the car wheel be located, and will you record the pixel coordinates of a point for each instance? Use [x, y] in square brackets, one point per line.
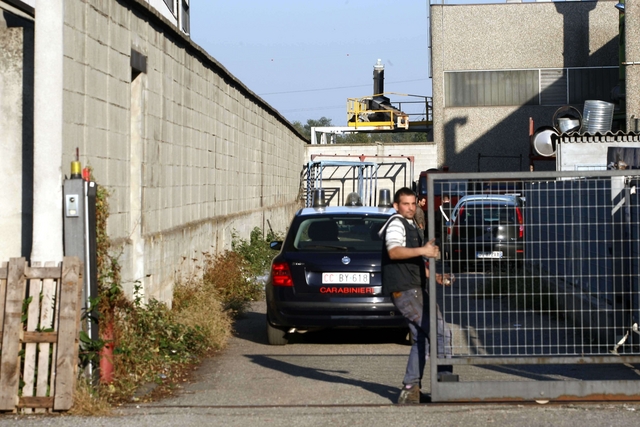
[276, 336]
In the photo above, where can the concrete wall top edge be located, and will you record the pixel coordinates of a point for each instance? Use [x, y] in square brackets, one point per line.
[194, 49]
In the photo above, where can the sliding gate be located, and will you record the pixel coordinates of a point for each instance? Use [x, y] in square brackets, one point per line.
[557, 318]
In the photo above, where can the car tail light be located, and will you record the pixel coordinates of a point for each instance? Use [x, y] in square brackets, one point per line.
[521, 222]
[281, 274]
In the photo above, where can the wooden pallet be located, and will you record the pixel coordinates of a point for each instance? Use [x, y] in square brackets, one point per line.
[42, 349]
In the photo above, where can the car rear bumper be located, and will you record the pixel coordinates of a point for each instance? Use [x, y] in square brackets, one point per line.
[307, 314]
[472, 252]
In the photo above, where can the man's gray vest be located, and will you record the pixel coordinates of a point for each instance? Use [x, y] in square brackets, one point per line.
[403, 274]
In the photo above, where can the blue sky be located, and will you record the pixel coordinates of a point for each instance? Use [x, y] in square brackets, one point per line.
[305, 58]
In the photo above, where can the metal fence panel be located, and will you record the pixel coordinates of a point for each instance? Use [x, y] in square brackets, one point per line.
[546, 285]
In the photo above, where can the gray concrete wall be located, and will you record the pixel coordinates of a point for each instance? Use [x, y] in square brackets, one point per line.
[188, 153]
[504, 37]
[16, 134]
[11, 140]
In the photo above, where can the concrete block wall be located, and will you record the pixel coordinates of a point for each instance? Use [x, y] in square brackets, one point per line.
[215, 159]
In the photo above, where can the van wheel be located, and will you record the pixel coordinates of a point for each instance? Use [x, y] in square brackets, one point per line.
[276, 336]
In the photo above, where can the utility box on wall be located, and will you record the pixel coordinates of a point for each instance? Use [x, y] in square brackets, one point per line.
[79, 221]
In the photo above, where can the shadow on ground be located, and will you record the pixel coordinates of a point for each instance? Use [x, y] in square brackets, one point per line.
[324, 375]
[251, 326]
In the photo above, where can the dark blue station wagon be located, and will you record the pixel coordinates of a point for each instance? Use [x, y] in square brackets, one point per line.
[328, 274]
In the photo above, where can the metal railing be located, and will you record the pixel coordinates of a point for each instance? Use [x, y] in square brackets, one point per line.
[400, 114]
[339, 178]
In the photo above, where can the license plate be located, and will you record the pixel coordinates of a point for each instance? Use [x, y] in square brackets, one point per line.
[494, 254]
[347, 278]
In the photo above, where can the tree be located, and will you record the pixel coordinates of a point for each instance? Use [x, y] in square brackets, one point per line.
[322, 122]
[306, 129]
[354, 137]
[300, 128]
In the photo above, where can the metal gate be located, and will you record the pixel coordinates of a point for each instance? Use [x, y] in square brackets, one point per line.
[545, 299]
[339, 178]
[358, 177]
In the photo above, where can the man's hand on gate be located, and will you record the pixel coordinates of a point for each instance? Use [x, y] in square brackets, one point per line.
[445, 279]
[431, 250]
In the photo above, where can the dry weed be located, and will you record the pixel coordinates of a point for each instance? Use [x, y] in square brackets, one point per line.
[197, 306]
[87, 401]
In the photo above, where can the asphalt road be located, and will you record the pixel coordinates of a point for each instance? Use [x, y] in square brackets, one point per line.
[330, 378]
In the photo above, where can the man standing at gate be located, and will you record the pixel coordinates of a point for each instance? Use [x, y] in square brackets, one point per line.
[404, 277]
[443, 217]
[419, 218]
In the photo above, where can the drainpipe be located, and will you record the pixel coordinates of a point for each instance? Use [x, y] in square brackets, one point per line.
[47, 132]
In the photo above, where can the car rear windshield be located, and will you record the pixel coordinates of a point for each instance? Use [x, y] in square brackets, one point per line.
[488, 214]
[347, 233]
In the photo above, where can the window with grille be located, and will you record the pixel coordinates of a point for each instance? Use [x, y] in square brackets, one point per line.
[559, 86]
[491, 88]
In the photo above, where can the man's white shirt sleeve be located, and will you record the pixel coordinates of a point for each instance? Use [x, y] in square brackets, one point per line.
[396, 235]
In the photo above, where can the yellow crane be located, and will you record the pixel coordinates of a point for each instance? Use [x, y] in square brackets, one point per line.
[378, 112]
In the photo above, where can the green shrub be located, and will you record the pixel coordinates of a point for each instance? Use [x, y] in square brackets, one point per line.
[228, 276]
[154, 343]
[150, 344]
[256, 251]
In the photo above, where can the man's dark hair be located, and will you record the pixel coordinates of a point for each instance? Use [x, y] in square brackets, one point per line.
[404, 191]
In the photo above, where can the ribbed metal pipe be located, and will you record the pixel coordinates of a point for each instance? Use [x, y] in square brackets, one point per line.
[597, 116]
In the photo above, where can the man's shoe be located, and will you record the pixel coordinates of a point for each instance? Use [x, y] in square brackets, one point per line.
[410, 394]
